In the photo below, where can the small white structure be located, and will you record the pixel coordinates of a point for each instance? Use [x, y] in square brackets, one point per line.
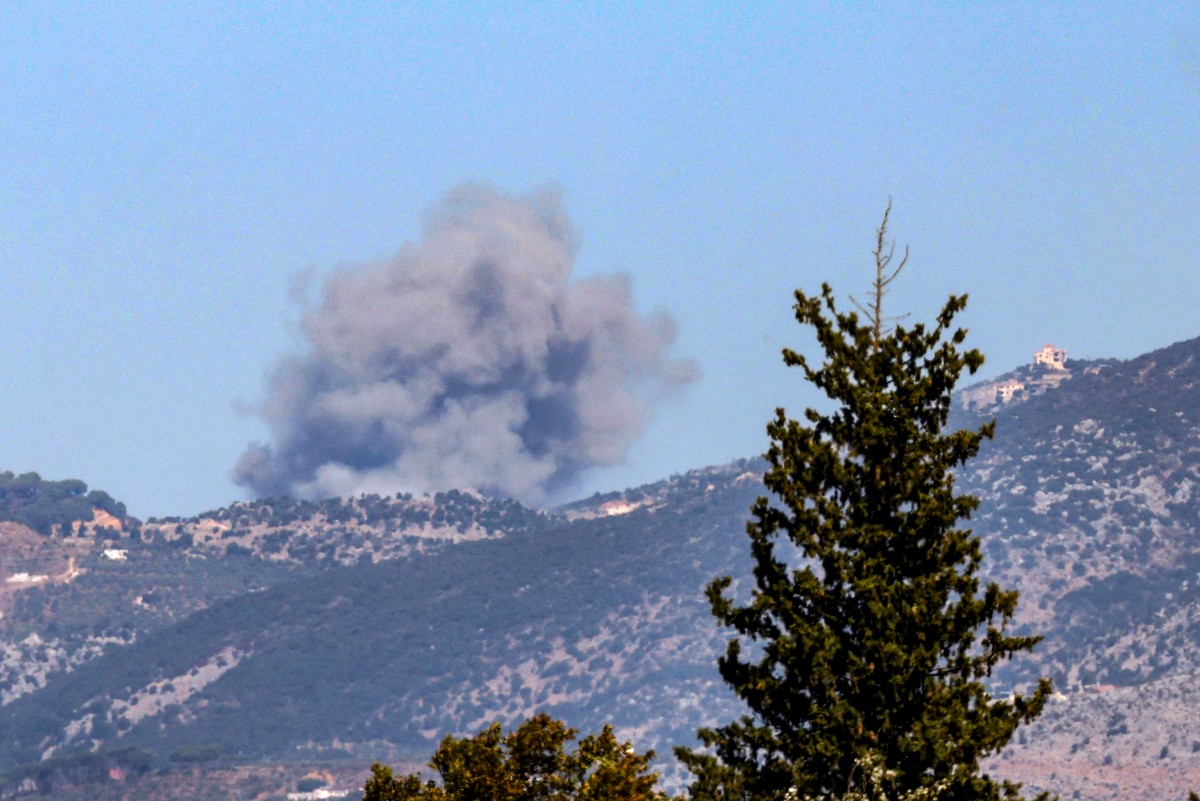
[116, 554]
[26, 578]
[318, 795]
[1005, 390]
[1052, 357]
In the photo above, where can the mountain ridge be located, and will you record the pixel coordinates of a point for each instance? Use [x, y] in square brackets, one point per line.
[594, 610]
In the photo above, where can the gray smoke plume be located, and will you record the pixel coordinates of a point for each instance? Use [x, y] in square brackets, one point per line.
[470, 360]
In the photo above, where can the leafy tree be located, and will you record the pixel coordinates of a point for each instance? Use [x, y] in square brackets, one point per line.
[867, 636]
[32, 501]
[531, 763]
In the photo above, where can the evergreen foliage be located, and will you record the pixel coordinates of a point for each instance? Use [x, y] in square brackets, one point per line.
[40, 504]
[92, 767]
[530, 763]
[867, 636]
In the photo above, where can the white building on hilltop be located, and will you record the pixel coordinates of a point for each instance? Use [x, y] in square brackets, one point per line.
[1031, 383]
[1052, 357]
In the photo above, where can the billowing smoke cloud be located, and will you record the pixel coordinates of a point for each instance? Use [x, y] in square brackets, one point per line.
[470, 360]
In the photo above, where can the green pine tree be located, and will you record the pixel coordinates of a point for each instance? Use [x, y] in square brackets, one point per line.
[867, 635]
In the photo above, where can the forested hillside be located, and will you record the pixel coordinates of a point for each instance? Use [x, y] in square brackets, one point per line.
[48, 505]
[366, 628]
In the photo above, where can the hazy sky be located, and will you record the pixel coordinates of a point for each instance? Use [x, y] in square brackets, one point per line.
[169, 170]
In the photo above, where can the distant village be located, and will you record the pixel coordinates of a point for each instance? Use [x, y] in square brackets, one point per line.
[1050, 370]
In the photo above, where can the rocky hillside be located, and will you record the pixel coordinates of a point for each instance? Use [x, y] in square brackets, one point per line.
[346, 531]
[68, 593]
[1091, 506]
[593, 614]
[366, 628]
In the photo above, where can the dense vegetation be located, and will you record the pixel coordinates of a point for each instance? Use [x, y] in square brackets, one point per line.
[452, 508]
[534, 762]
[79, 768]
[43, 505]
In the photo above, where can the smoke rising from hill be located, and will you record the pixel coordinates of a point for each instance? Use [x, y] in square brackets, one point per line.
[472, 359]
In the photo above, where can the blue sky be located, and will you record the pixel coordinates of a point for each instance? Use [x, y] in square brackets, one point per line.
[169, 169]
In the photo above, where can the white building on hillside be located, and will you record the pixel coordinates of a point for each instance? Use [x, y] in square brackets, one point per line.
[1007, 390]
